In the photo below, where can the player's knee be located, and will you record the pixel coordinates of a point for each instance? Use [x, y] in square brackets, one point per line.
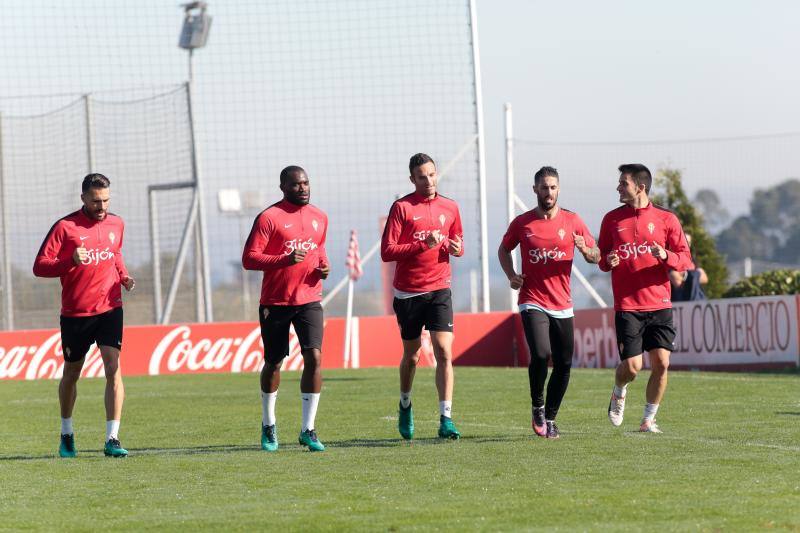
[562, 364]
[659, 366]
[411, 358]
[71, 373]
[443, 357]
[312, 358]
[111, 369]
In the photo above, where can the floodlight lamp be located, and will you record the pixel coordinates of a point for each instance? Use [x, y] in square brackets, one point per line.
[229, 201]
[196, 26]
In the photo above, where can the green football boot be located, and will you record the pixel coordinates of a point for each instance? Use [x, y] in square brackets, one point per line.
[269, 438]
[405, 422]
[309, 438]
[67, 446]
[447, 430]
[113, 448]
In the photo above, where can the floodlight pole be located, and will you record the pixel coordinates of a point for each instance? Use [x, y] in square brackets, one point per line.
[510, 187]
[8, 290]
[194, 36]
[476, 72]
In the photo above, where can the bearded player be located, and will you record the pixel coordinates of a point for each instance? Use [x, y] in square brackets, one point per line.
[547, 235]
[84, 250]
[422, 231]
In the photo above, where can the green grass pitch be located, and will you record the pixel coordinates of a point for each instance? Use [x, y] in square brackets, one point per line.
[729, 458]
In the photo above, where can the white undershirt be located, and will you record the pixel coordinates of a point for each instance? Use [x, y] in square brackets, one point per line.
[562, 313]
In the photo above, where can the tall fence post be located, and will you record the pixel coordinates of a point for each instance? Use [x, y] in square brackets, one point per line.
[510, 192]
[202, 231]
[8, 290]
[87, 107]
[476, 72]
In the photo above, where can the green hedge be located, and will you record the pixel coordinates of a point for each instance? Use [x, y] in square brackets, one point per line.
[768, 283]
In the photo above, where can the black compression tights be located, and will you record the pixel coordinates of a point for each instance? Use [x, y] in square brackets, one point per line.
[548, 338]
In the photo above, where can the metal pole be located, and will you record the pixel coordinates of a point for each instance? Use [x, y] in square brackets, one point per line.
[201, 219]
[155, 253]
[87, 106]
[348, 324]
[191, 222]
[510, 191]
[8, 290]
[476, 63]
[245, 277]
[473, 291]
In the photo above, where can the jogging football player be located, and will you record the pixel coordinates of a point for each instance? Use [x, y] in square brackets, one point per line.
[422, 231]
[287, 243]
[548, 235]
[640, 243]
[84, 249]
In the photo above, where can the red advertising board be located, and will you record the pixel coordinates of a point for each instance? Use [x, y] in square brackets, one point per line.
[733, 334]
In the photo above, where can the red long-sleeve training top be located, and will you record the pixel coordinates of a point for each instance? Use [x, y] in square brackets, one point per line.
[641, 281]
[411, 219]
[93, 287]
[548, 248]
[277, 232]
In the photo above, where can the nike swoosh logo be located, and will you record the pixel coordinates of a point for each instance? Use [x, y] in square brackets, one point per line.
[621, 229]
[529, 234]
[449, 324]
[417, 218]
[84, 238]
[288, 225]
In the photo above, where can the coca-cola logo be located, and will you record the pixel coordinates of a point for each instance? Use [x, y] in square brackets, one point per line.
[44, 361]
[179, 352]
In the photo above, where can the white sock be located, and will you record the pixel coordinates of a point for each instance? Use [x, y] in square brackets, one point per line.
[445, 408]
[650, 410]
[405, 399]
[66, 426]
[620, 392]
[268, 408]
[112, 429]
[310, 401]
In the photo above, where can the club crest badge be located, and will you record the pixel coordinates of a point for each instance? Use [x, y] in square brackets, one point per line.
[561, 233]
[442, 219]
[111, 237]
[651, 228]
[315, 224]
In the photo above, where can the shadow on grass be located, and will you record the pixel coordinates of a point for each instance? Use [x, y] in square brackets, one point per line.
[432, 441]
[787, 413]
[238, 448]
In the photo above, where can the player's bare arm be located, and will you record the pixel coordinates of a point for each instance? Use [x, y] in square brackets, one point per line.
[515, 280]
[591, 254]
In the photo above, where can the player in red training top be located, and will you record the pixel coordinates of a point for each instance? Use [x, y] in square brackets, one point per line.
[640, 243]
[84, 249]
[548, 235]
[287, 243]
[422, 231]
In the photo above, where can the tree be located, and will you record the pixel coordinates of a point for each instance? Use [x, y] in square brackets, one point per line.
[714, 213]
[743, 239]
[672, 196]
[771, 232]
